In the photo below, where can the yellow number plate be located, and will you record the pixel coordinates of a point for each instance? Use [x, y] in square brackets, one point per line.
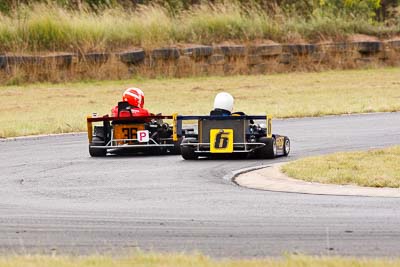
[221, 140]
[127, 131]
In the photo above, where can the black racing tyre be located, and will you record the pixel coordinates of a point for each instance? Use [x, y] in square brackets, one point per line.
[269, 150]
[97, 152]
[176, 150]
[286, 147]
[187, 152]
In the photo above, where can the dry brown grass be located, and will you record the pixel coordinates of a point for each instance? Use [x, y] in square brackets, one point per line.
[173, 260]
[58, 108]
[78, 70]
[113, 69]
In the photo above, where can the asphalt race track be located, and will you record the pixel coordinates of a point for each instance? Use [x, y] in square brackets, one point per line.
[54, 198]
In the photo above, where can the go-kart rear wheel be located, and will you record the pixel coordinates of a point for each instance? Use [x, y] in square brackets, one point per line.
[188, 152]
[286, 147]
[95, 151]
[269, 150]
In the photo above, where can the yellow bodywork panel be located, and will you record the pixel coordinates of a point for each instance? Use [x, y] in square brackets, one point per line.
[279, 142]
[221, 140]
[89, 129]
[269, 126]
[175, 127]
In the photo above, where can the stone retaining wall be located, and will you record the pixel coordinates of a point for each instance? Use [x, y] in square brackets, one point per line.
[200, 60]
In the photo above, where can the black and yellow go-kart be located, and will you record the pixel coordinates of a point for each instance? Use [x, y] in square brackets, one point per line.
[228, 135]
[144, 135]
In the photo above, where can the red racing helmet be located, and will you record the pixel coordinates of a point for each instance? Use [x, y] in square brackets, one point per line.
[134, 96]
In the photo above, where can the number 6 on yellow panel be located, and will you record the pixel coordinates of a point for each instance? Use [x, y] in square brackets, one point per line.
[221, 140]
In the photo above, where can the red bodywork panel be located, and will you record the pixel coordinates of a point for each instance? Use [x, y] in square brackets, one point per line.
[133, 119]
[136, 112]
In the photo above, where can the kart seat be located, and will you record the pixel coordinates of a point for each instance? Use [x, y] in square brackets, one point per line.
[124, 107]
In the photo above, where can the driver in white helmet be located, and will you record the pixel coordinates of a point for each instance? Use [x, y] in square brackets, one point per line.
[223, 105]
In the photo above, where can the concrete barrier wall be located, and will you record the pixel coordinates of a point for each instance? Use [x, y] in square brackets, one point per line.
[196, 60]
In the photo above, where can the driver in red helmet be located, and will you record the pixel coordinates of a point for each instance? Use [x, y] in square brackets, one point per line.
[135, 98]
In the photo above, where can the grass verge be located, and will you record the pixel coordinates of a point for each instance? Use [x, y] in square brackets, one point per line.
[50, 27]
[374, 168]
[187, 260]
[59, 108]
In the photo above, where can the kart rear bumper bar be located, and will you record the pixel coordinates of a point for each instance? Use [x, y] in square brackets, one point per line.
[114, 144]
[246, 147]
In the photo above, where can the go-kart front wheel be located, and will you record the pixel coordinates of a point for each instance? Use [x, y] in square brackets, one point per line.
[188, 152]
[176, 150]
[286, 147]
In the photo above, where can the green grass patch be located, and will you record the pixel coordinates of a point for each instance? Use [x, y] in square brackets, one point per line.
[173, 260]
[49, 27]
[374, 168]
[59, 108]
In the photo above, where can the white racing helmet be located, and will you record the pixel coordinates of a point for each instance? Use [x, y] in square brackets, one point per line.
[223, 101]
